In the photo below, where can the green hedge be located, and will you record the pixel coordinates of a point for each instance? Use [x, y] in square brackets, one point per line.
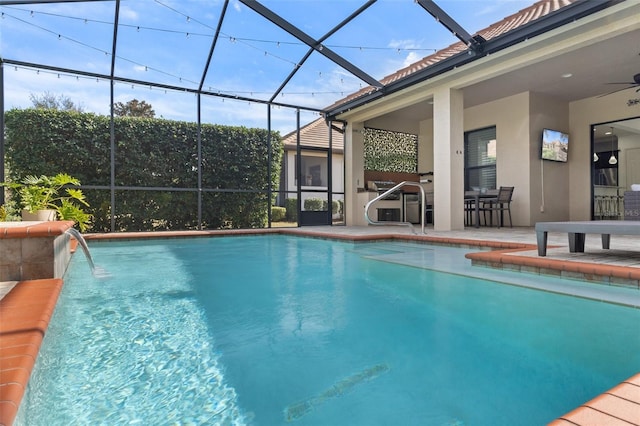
[315, 204]
[278, 214]
[149, 153]
[291, 205]
[311, 204]
[319, 204]
[337, 206]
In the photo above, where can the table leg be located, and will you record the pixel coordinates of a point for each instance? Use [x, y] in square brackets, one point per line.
[576, 242]
[541, 236]
[477, 208]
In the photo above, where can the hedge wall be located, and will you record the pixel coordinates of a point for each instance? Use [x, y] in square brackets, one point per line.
[149, 153]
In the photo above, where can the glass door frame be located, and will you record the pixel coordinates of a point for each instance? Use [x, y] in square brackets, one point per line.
[314, 217]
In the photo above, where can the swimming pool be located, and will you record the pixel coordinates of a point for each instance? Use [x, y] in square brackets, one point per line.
[274, 329]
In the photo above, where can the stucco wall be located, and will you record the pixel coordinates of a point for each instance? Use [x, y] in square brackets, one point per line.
[354, 174]
[425, 147]
[519, 121]
[395, 123]
[510, 116]
[549, 179]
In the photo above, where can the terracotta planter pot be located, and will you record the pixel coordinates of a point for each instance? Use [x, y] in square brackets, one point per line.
[39, 216]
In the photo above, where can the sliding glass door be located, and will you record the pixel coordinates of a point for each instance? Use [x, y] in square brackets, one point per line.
[615, 167]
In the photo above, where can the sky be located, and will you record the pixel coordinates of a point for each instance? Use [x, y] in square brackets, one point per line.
[169, 41]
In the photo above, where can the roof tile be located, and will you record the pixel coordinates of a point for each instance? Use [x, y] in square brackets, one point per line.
[315, 134]
[524, 16]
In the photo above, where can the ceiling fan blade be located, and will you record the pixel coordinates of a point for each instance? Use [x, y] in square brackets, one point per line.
[616, 91]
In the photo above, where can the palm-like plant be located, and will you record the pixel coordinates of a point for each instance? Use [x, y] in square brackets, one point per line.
[54, 193]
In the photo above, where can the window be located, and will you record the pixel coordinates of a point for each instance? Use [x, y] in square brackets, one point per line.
[314, 169]
[480, 159]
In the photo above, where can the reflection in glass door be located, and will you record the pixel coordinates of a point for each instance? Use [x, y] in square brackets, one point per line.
[615, 167]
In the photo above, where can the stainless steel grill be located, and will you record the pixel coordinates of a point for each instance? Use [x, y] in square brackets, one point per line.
[384, 185]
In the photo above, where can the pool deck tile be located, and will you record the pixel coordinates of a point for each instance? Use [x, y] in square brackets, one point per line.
[618, 406]
[590, 271]
[34, 229]
[25, 313]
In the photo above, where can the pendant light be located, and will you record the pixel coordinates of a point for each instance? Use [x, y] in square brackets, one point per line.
[595, 157]
[612, 160]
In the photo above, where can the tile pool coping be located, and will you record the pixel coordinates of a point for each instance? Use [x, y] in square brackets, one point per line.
[620, 405]
[25, 313]
[26, 310]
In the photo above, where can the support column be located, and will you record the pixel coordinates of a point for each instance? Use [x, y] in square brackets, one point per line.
[2, 159]
[448, 154]
[354, 173]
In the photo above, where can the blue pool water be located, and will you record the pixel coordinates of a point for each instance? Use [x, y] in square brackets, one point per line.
[273, 330]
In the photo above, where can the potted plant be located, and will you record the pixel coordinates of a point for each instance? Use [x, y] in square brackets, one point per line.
[50, 197]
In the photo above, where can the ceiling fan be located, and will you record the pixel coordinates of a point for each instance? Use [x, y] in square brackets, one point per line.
[634, 83]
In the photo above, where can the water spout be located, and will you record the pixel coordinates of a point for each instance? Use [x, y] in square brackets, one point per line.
[96, 271]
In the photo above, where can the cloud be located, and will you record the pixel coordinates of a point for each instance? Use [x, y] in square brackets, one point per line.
[501, 8]
[487, 9]
[93, 96]
[88, 94]
[129, 14]
[405, 44]
[411, 58]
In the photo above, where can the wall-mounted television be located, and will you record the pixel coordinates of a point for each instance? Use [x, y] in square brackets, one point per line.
[555, 145]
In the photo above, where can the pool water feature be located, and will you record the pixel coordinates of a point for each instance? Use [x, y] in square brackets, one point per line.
[96, 271]
[274, 329]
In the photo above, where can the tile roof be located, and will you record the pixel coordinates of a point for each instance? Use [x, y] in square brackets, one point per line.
[517, 20]
[315, 134]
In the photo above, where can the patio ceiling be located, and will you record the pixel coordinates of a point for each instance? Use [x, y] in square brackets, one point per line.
[264, 52]
[592, 68]
[581, 71]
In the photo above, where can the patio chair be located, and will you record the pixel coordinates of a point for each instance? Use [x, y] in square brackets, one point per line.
[428, 209]
[469, 209]
[500, 204]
